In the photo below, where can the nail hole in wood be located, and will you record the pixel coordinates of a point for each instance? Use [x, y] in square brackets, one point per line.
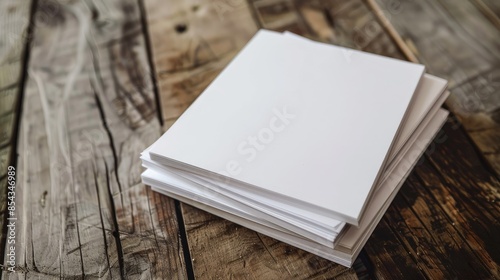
[95, 13]
[180, 28]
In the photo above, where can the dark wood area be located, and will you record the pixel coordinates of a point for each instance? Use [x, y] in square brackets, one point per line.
[85, 86]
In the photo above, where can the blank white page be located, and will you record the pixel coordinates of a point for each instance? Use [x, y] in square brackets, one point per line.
[430, 89]
[312, 127]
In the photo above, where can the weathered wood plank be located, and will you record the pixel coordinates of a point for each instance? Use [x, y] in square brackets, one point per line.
[388, 255]
[490, 9]
[442, 217]
[477, 105]
[472, 240]
[446, 54]
[221, 249]
[345, 23]
[14, 19]
[440, 250]
[493, 5]
[88, 112]
[455, 41]
[466, 211]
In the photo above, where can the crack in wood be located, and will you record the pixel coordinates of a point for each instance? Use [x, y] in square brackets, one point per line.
[116, 231]
[96, 183]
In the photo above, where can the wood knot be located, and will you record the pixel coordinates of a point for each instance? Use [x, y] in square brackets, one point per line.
[180, 28]
[42, 199]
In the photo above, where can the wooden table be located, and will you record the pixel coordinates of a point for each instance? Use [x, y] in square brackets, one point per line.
[101, 80]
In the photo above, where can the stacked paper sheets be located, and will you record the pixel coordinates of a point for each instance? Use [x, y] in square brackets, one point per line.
[303, 141]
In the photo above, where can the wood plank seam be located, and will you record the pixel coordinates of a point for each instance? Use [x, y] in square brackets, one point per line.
[184, 241]
[152, 66]
[100, 213]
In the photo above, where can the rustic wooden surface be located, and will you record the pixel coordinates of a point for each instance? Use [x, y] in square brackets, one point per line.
[14, 22]
[462, 44]
[447, 216]
[98, 70]
[89, 110]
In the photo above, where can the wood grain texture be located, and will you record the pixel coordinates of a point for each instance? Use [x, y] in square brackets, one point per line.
[493, 5]
[477, 105]
[88, 112]
[449, 218]
[223, 250]
[490, 9]
[445, 217]
[14, 19]
[345, 23]
[456, 40]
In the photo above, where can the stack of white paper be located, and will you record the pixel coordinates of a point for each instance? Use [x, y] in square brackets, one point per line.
[303, 141]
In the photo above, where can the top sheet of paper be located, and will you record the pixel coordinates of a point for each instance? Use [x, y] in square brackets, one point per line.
[311, 123]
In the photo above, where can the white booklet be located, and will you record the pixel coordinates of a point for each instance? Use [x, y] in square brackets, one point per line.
[313, 130]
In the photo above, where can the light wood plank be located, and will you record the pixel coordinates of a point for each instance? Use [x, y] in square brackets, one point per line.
[88, 112]
[221, 249]
[14, 20]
